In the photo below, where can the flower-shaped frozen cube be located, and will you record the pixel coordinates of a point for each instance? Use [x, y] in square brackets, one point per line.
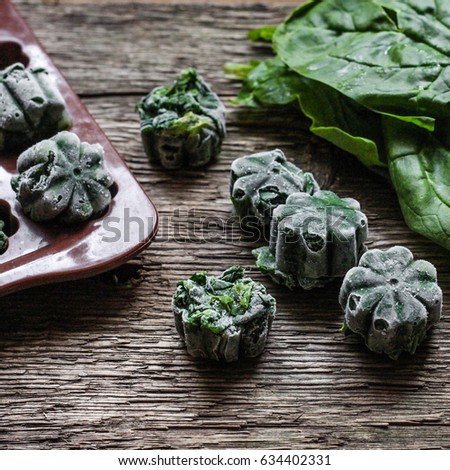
[223, 318]
[313, 239]
[63, 179]
[182, 125]
[262, 181]
[391, 300]
[31, 107]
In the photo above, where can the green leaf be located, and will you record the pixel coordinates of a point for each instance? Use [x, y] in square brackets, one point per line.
[240, 71]
[374, 78]
[199, 278]
[233, 274]
[421, 121]
[225, 301]
[334, 117]
[419, 166]
[243, 291]
[267, 82]
[355, 47]
[205, 318]
[262, 34]
[343, 122]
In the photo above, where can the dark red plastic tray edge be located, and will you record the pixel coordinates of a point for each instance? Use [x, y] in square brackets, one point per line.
[41, 254]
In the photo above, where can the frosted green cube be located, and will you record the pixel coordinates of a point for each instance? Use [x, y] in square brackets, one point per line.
[391, 300]
[31, 107]
[313, 240]
[223, 318]
[262, 181]
[182, 125]
[63, 179]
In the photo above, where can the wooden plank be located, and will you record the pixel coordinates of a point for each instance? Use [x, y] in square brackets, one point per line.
[98, 364]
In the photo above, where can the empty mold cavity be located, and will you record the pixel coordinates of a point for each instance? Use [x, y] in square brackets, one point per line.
[11, 52]
[11, 222]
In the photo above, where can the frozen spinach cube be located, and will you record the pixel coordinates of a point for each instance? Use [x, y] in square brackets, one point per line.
[391, 300]
[31, 107]
[184, 124]
[262, 181]
[62, 179]
[313, 239]
[223, 318]
[3, 238]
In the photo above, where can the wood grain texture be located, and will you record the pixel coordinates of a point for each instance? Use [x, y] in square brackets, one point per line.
[98, 364]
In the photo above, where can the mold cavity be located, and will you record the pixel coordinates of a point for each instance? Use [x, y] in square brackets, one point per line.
[289, 235]
[77, 171]
[279, 157]
[380, 324]
[11, 222]
[10, 53]
[393, 281]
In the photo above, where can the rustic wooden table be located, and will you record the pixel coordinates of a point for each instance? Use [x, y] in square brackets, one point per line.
[98, 364]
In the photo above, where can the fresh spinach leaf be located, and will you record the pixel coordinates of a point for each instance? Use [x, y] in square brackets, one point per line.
[355, 47]
[374, 78]
[262, 34]
[419, 166]
[334, 117]
[267, 83]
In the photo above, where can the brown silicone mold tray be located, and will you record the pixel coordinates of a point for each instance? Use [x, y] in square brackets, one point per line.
[46, 253]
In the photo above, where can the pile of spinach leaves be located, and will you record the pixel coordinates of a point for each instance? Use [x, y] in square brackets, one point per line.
[374, 78]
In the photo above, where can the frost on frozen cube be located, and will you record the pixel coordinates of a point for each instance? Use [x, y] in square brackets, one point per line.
[31, 107]
[63, 179]
[313, 240]
[184, 124]
[262, 181]
[223, 318]
[3, 238]
[391, 300]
